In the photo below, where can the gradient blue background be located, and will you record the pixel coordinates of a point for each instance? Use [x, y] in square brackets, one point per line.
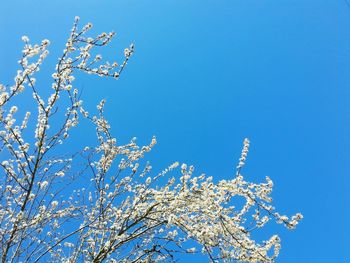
[205, 75]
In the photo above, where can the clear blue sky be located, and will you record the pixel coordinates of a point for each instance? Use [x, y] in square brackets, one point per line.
[205, 75]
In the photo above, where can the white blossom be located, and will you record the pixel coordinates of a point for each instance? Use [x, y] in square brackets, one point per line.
[103, 202]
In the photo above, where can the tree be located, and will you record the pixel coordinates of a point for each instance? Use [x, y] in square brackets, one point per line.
[104, 203]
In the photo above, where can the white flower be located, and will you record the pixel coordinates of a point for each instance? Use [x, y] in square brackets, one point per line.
[68, 244]
[191, 250]
[13, 109]
[43, 185]
[127, 52]
[54, 204]
[45, 42]
[60, 174]
[25, 39]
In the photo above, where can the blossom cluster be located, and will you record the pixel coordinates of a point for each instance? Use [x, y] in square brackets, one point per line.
[103, 202]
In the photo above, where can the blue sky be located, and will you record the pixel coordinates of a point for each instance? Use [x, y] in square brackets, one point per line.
[205, 75]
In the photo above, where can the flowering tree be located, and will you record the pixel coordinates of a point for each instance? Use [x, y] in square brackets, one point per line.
[103, 203]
